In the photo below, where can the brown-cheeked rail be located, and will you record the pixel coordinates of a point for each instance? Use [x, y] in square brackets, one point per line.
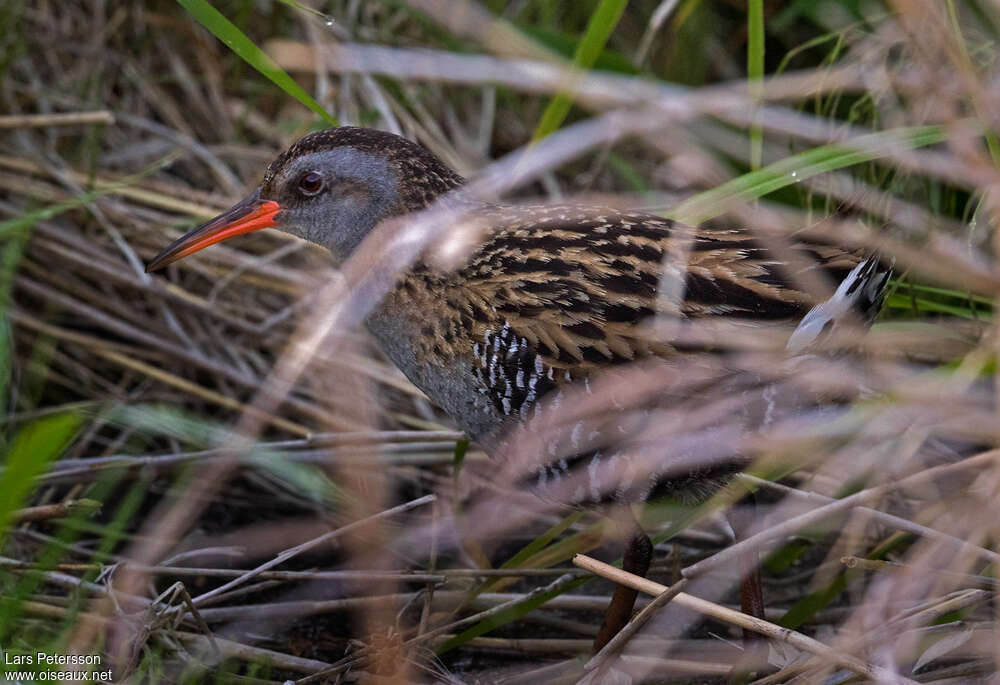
[551, 297]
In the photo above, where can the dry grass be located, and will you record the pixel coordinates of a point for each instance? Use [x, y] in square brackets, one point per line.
[279, 503]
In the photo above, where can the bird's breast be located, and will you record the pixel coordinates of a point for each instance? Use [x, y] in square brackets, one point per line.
[413, 337]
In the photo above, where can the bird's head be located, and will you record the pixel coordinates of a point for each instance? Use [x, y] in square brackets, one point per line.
[331, 188]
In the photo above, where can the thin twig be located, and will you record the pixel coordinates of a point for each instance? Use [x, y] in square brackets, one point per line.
[603, 658]
[62, 119]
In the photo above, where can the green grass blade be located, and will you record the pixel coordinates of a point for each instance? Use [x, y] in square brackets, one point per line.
[30, 452]
[756, 184]
[807, 607]
[947, 292]
[531, 555]
[542, 540]
[755, 73]
[238, 42]
[156, 420]
[565, 44]
[528, 553]
[511, 614]
[602, 23]
[458, 458]
[919, 305]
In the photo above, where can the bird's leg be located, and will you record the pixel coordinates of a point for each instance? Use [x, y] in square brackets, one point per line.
[637, 558]
[751, 594]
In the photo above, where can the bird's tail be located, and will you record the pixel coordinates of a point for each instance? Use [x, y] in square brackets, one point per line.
[859, 296]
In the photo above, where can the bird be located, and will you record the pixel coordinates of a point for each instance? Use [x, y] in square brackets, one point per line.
[549, 298]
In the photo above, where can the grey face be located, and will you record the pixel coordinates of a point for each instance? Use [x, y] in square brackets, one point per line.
[333, 197]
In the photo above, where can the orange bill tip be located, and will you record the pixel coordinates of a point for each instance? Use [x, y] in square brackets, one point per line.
[252, 214]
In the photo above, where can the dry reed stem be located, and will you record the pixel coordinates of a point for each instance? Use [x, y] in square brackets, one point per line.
[61, 119]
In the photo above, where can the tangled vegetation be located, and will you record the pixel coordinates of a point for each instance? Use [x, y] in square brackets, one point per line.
[211, 475]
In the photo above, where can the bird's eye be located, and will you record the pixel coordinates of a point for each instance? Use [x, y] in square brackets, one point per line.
[310, 183]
